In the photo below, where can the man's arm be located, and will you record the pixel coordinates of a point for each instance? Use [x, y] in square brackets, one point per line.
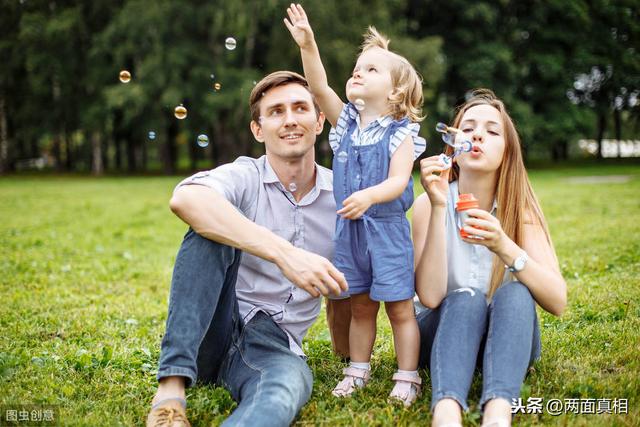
[215, 218]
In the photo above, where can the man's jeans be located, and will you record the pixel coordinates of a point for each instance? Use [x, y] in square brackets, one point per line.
[206, 340]
[503, 337]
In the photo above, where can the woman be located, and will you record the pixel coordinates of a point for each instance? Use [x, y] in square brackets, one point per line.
[481, 290]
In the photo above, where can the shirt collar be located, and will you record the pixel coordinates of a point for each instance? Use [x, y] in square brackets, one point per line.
[324, 179]
[382, 121]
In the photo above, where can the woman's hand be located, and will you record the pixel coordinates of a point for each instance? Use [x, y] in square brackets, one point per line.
[356, 205]
[298, 26]
[436, 186]
[485, 230]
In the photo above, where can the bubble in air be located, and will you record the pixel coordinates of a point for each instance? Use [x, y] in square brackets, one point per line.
[342, 156]
[152, 135]
[441, 127]
[124, 76]
[293, 187]
[359, 103]
[217, 86]
[203, 140]
[230, 43]
[180, 112]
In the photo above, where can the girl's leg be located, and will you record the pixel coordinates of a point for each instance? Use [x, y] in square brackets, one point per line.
[462, 324]
[362, 334]
[406, 339]
[406, 336]
[513, 342]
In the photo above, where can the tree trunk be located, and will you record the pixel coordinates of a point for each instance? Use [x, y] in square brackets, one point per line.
[97, 167]
[602, 125]
[4, 137]
[168, 149]
[618, 129]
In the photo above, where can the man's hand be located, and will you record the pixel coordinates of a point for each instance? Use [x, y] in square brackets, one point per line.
[298, 26]
[356, 205]
[311, 272]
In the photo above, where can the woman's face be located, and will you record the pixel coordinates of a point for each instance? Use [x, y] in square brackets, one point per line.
[482, 125]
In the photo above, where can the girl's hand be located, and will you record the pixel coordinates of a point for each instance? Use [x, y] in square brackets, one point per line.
[298, 26]
[436, 186]
[355, 205]
[486, 230]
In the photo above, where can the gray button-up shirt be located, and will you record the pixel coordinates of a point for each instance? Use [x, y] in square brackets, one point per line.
[253, 188]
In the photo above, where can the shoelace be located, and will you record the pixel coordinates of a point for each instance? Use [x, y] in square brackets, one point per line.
[166, 417]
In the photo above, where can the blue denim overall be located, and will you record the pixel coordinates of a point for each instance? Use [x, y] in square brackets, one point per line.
[374, 252]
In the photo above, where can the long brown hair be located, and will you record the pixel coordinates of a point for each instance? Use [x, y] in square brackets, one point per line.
[517, 203]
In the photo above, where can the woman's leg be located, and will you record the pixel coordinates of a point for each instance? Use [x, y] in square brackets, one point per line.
[461, 323]
[513, 342]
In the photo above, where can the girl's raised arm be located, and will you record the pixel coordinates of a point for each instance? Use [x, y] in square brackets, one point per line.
[314, 72]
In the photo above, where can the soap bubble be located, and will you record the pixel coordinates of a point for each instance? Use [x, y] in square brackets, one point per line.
[217, 86]
[342, 157]
[255, 82]
[180, 112]
[293, 187]
[124, 76]
[203, 140]
[441, 127]
[152, 135]
[212, 76]
[230, 43]
[359, 104]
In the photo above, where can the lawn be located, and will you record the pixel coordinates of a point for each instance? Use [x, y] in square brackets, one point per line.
[85, 267]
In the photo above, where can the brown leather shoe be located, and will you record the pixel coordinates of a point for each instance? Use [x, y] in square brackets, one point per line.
[168, 413]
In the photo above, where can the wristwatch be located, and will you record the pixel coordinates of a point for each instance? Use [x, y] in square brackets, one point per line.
[518, 263]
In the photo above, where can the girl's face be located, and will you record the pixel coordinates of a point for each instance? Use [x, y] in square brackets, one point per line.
[482, 125]
[371, 78]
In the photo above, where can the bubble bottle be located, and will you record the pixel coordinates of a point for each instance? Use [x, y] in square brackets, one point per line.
[465, 202]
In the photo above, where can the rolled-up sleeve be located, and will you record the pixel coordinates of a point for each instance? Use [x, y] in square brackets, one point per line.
[347, 115]
[237, 182]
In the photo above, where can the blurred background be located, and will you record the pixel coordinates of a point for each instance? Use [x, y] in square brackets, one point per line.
[568, 70]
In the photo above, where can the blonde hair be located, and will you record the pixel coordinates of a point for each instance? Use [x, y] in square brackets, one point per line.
[517, 203]
[406, 98]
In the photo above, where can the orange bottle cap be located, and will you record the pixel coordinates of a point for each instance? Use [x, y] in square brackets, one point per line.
[466, 201]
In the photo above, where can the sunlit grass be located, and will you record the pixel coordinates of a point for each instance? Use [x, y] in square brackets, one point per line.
[85, 268]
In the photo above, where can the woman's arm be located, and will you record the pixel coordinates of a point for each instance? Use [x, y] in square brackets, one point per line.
[430, 250]
[540, 274]
[300, 29]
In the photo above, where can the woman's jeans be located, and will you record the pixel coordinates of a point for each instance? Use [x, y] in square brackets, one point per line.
[501, 338]
[206, 340]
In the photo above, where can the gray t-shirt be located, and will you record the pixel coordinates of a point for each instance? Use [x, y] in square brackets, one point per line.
[253, 188]
[468, 265]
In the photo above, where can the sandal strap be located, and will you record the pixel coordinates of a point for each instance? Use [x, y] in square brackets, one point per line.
[399, 376]
[363, 374]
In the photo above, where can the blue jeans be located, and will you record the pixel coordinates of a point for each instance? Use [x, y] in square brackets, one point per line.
[206, 340]
[502, 339]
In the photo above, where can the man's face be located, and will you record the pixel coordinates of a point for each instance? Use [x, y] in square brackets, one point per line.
[288, 122]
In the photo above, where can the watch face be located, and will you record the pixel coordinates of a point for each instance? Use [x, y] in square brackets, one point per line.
[519, 264]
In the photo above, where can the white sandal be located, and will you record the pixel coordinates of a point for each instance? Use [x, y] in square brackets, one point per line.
[407, 388]
[497, 422]
[354, 378]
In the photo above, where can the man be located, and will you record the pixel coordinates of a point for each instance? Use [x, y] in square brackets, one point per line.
[250, 270]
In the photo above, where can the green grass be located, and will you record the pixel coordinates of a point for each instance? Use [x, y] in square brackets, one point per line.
[85, 267]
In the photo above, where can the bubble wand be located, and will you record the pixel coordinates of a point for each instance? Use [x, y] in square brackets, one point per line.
[449, 136]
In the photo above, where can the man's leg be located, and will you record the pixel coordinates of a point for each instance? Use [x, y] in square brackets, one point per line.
[338, 322]
[269, 381]
[202, 309]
